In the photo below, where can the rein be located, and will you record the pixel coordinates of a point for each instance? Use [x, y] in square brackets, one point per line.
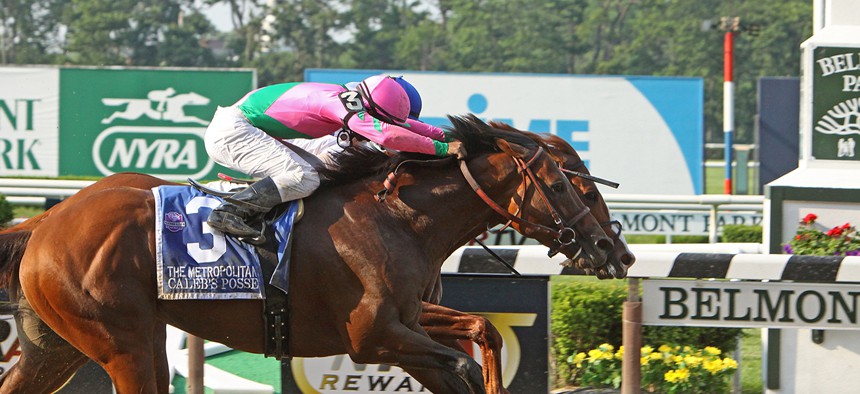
[564, 235]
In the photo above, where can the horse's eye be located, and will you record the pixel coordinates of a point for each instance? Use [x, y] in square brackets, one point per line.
[590, 198]
[558, 187]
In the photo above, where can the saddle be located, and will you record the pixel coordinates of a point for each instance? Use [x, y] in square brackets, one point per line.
[275, 270]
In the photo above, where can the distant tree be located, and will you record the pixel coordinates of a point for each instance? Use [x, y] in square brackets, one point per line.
[30, 31]
[138, 33]
[283, 38]
[304, 30]
[185, 44]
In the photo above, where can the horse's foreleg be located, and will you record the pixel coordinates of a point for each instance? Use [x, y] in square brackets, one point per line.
[438, 368]
[447, 326]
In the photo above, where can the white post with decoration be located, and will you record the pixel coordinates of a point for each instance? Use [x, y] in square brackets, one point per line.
[827, 184]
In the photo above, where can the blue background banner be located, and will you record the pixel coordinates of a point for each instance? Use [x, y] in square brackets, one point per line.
[645, 132]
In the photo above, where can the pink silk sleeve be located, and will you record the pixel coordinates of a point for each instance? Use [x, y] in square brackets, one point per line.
[391, 136]
[426, 130]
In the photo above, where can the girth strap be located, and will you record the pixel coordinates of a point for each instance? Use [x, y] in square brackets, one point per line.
[276, 311]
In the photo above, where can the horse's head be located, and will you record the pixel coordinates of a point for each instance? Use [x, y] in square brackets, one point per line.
[621, 258]
[529, 189]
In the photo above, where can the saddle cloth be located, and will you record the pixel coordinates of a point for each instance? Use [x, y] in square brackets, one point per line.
[196, 262]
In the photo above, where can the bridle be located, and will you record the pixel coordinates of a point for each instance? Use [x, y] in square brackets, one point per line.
[564, 234]
[614, 185]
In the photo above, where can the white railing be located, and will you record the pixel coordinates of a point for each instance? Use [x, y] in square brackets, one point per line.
[37, 191]
[713, 203]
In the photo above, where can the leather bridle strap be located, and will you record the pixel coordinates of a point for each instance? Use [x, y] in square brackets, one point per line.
[524, 167]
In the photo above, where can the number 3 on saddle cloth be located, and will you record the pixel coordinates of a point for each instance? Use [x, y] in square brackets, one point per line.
[196, 262]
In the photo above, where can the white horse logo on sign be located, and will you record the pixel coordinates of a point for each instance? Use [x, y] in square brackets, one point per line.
[168, 107]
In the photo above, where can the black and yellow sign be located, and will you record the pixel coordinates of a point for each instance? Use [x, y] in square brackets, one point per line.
[836, 103]
[517, 306]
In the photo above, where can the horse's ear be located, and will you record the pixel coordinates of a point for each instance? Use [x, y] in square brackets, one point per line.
[512, 149]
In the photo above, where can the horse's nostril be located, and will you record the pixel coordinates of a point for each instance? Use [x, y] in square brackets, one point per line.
[605, 244]
[628, 259]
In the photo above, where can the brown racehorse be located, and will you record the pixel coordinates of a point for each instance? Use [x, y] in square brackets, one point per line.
[448, 325]
[359, 275]
[444, 324]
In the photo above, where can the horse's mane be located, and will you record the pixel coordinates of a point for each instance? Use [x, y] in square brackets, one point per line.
[362, 160]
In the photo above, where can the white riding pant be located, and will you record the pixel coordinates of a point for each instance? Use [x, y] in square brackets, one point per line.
[235, 143]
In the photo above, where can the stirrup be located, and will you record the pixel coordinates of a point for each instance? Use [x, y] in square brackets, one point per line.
[258, 239]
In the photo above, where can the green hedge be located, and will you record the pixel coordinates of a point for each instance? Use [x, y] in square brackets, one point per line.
[741, 233]
[6, 212]
[586, 314]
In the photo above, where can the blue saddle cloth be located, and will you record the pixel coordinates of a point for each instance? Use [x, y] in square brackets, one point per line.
[197, 262]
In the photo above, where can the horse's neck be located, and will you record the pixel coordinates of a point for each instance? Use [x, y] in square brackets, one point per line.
[452, 213]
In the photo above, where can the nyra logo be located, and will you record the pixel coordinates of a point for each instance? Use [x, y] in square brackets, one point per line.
[158, 105]
[168, 150]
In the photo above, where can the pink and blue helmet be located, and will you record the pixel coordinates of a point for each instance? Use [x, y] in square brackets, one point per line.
[384, 99]
[414, 97]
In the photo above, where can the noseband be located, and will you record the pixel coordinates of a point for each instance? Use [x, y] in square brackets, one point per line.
[564, 235]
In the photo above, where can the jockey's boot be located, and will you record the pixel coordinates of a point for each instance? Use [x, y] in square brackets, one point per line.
[231, 216]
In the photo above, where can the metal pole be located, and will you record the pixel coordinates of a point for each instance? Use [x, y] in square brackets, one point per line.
[195, 365]
[713, 220]
[631, 332]
[728, 105]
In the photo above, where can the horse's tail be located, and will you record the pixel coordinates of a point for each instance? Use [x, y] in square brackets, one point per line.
[12, 247]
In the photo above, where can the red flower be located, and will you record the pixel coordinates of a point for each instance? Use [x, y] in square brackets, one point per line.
[809, 218]
[797, 237]
[834, 232]
[846, 226]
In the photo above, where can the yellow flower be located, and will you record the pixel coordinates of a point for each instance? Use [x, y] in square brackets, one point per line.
[713, 366]
[646, 349]
[692, 361]
[644, 360]
[677, 375]
[620, 353]
[595, 354]
[655, 356]
[578, 359]
[677, 359]
[729, 363]
[606, 347]
[710, 350]
[664, 349]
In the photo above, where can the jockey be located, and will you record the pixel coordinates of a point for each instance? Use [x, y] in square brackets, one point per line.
[246, 137]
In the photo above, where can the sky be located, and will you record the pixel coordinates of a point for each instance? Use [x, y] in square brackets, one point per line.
[219, 14]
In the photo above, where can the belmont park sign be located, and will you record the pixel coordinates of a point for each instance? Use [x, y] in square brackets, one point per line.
[750, 304]
[101, 121]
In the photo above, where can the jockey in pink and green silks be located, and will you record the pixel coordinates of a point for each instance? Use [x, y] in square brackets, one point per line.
[246, 137]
